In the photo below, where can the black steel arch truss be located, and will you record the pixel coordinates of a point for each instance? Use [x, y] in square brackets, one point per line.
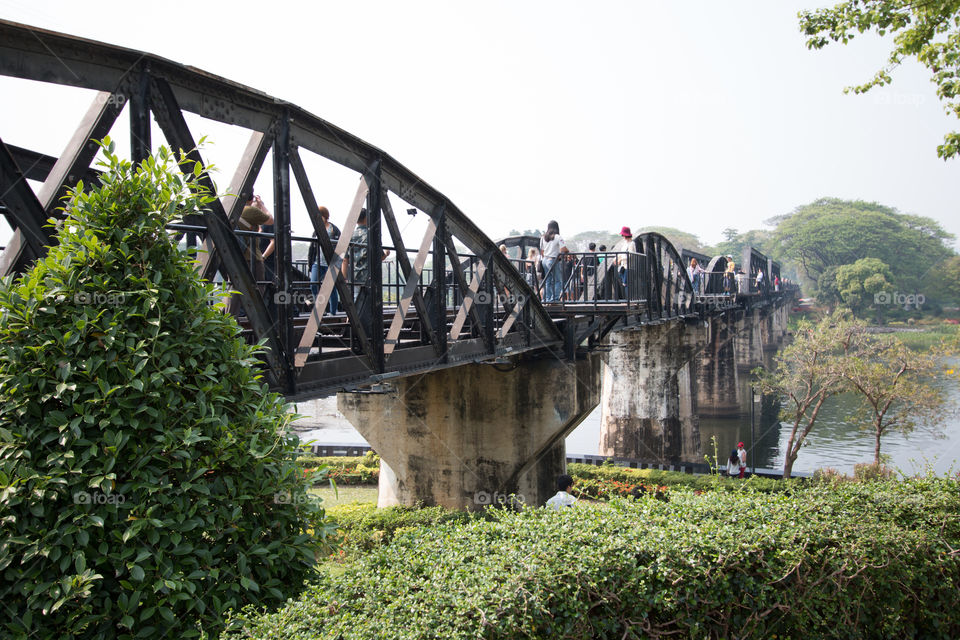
[471, 307]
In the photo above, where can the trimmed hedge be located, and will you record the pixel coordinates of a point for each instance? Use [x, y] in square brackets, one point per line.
[870, 560]
[345, 470]
[587, 475]
[362, 526]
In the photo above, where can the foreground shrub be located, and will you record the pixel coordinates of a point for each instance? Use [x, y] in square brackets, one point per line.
[869, 471]
[871, 560]
[361, 527]
[146, 485]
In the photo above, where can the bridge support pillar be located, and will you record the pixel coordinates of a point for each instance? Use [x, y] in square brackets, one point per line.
[718, 388]
[769, 330]
[642, 413]
[748, 343]
[467, 436]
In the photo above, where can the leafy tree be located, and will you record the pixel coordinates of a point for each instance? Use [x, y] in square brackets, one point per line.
[865, 283]
[942, 283]
[730, 234]
[833, 232]
[147, 484]
[827, 292]
[928, 31]
[895, 384]
[806, 375]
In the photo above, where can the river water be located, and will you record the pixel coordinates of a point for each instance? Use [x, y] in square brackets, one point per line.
[834, 441]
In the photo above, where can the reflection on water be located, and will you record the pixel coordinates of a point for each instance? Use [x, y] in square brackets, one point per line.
[834, 441]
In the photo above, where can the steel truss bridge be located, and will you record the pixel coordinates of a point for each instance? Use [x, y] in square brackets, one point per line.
[473, 303]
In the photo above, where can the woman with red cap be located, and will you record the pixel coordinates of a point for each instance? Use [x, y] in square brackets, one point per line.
[742, 454]
[623, 247]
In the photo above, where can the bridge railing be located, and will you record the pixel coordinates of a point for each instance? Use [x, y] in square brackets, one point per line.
[589, 278]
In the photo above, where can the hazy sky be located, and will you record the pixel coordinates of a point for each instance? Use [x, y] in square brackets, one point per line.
[696, 115]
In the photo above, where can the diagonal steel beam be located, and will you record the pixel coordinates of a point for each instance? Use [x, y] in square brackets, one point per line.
[326, 246]
[24, 210]
[68, 169]
[241, 185]
[177, 133]
[461, 279]
[468, 300]
[403, 260]
[335, 262]
[82, 148]
[410, 288]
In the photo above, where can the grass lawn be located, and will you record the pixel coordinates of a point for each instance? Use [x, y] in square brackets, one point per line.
[345, 495]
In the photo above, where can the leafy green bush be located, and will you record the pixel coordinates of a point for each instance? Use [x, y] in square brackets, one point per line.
[146, 484]
[346, 470]
[868, 471]
[587, 476]
[363, 526]
[858, 560]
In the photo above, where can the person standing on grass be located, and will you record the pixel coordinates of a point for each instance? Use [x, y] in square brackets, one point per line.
[562, 498]
[742, 455]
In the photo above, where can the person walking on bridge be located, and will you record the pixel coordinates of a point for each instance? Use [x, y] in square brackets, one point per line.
[695, 271]
[318, 261]
[623, 248]
[551, 246]
[252, 217]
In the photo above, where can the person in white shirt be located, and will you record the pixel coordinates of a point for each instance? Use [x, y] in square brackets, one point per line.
[562, 498]
[733, 464]
[742, 454]
[623, 247]
[695, 272]
[551, 246]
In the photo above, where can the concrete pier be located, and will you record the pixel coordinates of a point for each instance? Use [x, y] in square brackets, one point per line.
[641, 405]
[473, 435]
[718, 388]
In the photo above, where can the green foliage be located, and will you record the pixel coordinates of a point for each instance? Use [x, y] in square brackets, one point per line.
[596, 481]
[345, 470]
[805, 376]
[146, 482]
[867, 560]
[930, 336]
[895, 385]
[926, 31]
[828, 293]
[361, 527]
[863, 283]
[942, 284]
[833, 232]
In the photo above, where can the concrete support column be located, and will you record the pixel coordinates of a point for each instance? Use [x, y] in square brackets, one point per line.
[718, 388]
[641, 413]
[783, 317]
[689, 419]
[468, 436]
[748, 346]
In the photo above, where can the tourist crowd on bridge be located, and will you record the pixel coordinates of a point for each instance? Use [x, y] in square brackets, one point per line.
[557, 274]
